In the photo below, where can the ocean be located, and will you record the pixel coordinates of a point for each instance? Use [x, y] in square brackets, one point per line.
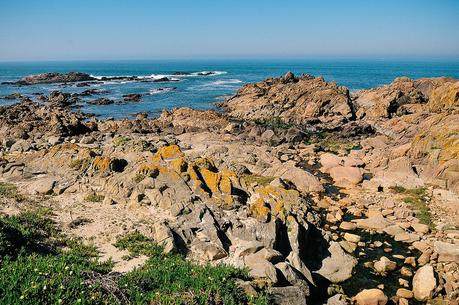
[202, 91]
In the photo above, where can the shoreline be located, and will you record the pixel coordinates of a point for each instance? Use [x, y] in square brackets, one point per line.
[233, 188]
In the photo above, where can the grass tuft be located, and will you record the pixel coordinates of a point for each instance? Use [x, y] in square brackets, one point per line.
[9, 190]
[417, 199]
[94, 198]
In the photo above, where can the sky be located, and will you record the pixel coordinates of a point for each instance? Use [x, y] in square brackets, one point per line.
[149, 29]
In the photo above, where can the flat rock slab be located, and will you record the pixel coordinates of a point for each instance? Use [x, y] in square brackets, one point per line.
[447, 252]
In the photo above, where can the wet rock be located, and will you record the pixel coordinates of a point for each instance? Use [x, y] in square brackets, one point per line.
[47, 78]
[101, 101]
[132, 97]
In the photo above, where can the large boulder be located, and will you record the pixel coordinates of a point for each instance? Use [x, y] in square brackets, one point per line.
[291, 99]
[371, 297]
[424, 283]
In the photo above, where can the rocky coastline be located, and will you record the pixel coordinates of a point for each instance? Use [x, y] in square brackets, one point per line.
[323, 195]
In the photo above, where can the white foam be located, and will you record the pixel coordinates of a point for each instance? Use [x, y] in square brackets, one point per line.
[226, 82]
[161, 90]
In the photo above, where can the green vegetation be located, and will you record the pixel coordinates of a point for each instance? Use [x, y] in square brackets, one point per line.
[9, 190]
[170, 279]
[39, 265]
[417, 199]
[275, 123]
[120, 141]
[94, 197]
[260, 180]
[81, 164]
[138, 178]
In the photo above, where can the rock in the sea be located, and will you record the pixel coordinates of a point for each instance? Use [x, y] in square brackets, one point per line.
[371, 297]
[424, 283]
[101, 101]
[47, 78]
[132, 97]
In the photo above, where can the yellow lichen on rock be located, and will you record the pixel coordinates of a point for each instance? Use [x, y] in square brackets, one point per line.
[166, 153]
[277, 200]
[101, 164]
[444, 98]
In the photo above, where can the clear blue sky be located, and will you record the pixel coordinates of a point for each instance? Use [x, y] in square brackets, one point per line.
[141, 29]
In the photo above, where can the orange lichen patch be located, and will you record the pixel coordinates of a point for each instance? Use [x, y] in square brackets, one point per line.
[278, 200]
[168, 153]
[260, 210]
[101, 164]
[211, 179]
[179, 165]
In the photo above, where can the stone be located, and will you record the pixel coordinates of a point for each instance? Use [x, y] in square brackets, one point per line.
[384, 265]
[420, 228]
[404, 293]
[406, 237]
[353, 238]
[377, 223]
[338, 266]
[424, 283]
[42, 186]
[447, 252]
[347, 226]
[371, 297]
[262, 269]
[290, 295]
[346, 176]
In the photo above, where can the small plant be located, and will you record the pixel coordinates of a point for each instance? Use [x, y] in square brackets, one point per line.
[94, 197]
[275, 123]
[138, 178]
[9, 190]
[79, 221]
[417, 199]
[120, 141]
[81, 164]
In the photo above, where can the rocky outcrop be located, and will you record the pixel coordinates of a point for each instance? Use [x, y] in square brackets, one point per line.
[29, 120]
[298, 100]
[48, 78]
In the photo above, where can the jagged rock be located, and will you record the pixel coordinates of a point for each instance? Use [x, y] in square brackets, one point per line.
[293, 100]
[290, 295]
[424, 283]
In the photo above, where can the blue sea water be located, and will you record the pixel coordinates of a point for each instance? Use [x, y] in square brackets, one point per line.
[201, 92]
